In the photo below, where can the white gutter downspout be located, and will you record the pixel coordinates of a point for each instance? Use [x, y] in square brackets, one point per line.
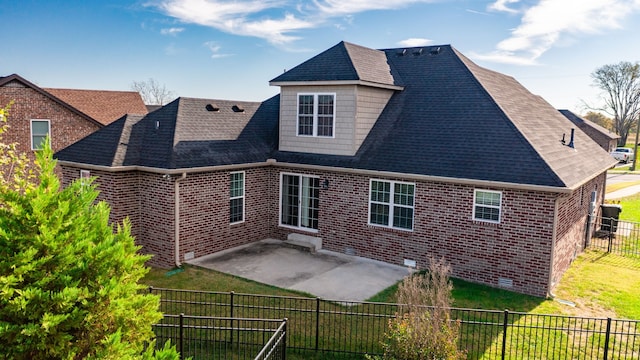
[553, 249]
[176, 217]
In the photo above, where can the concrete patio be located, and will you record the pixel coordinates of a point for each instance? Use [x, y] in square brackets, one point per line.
[322, 273]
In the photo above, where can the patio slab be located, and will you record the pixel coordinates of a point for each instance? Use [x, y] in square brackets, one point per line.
[326, 274]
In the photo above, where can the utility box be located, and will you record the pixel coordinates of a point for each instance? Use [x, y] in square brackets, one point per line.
[610, 216]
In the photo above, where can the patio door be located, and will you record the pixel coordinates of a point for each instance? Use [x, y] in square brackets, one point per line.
[299, 201]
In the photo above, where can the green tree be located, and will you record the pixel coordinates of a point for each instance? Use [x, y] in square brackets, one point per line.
[621, 86]
[68, 280]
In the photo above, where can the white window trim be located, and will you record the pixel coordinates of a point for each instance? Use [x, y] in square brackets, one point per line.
[392, 205]
[301, 228]
[315, 115]
[244, 185]
[499, 207]
[31, 131]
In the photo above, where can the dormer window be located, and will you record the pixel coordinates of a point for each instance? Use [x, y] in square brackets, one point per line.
[316, 114]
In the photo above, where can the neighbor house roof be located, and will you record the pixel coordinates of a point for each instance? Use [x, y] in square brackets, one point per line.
[584, 123]
[17, 79]
[448, 118]
[105, 106]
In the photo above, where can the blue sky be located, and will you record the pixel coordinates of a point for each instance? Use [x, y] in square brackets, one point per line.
[230, 49]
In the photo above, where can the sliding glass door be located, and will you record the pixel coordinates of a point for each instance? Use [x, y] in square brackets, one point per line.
[299, 201]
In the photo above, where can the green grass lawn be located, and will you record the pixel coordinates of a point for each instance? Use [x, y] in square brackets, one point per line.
[630, 208]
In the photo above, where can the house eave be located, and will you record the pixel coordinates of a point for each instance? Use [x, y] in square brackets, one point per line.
[336, 83]
[162, 171]
[372, 173]
[431, 178]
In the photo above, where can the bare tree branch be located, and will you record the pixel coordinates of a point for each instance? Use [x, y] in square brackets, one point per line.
[621, 86]
[152, 92]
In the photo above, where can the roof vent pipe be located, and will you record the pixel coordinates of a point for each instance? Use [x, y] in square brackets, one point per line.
[571, 139]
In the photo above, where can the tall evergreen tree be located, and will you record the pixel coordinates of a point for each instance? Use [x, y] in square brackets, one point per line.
[68, 279]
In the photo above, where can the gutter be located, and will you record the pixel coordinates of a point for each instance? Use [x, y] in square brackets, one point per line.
[176, 218]
[550, 294]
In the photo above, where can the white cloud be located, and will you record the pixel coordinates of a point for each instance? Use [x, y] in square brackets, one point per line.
[234, 17]
[342, 7]
[256, 18]
[171, 31]
[503, 6]
[215, 48]
[413, 42]
[548, 22]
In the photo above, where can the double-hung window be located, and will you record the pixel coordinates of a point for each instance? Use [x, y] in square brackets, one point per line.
[236, 197]
[299, 201]
[391, 204]
[39, 131]
[487, 205]
[316, 114]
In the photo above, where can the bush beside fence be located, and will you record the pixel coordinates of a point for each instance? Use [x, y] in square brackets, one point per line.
[343, 329]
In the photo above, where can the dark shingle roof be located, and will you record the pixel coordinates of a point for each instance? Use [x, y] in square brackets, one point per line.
[184, 134]
[452, 119]
[343, 62]
[455, 119]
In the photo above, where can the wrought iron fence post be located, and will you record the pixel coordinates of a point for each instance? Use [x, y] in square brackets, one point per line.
[505, 324]
[606, 339]
[317, 322]
[231, 316]
[181, 334]
[610, 239]
[284, 339]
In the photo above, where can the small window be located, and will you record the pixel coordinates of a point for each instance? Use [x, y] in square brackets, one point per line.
[391, 204]
[316, 114]
[236, 197]
[487, 205]
[84, 176]
[39, 131]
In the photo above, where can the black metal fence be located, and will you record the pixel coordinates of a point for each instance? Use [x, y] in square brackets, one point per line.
[210, 337]
[620, 237]
[340, 329]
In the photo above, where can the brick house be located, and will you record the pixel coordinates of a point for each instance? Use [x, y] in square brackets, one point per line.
[67, 115]
[606, 139]
[397, 155]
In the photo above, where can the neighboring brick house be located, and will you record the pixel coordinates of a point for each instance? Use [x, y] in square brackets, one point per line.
[606, 139]
[398, 155]
[68, 115]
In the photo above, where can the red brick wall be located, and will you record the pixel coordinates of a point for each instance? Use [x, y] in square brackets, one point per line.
[573, 211]
[204, 212]
[66, 127]
[517, 249]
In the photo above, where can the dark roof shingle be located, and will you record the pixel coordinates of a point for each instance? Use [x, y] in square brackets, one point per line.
[452, 119]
